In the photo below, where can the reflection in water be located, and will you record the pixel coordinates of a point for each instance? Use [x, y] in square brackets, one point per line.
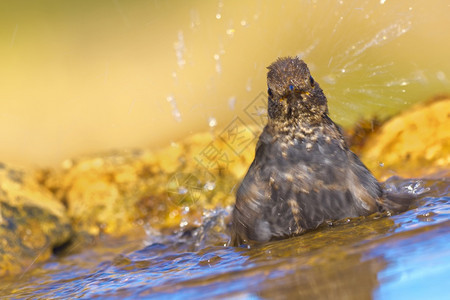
[395, 257]
[354, 280]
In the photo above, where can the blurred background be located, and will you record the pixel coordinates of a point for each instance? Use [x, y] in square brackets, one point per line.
[79, 77]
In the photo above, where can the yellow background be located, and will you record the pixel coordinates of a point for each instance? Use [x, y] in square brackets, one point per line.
[78, 77]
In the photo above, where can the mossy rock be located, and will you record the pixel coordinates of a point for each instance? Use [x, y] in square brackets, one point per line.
[32, 221]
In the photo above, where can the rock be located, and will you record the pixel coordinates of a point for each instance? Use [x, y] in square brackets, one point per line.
[120, 191]
[414, 143]
[32, 221]
[358, 135]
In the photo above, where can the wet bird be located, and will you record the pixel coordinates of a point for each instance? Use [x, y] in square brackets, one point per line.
[303, 173]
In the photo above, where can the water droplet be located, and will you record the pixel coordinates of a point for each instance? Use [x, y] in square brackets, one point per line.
[180, 49]
[230, 32]
[173, 213]
[244, 23]
[195, 19]
[330, 79]
[441, 76]
[175, 112]
[381, 164]
[248, 86]
[232, 102]
[218, 65]
[210, 185]
[218, 16]
[343, 70]
[182, 190]
[212, 122]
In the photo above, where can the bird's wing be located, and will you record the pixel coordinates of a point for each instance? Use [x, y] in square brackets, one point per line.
[312, 186]
[251, 200]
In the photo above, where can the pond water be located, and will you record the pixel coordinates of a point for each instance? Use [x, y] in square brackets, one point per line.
[406, 256]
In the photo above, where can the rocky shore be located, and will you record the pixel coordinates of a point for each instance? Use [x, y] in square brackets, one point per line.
[121, 192]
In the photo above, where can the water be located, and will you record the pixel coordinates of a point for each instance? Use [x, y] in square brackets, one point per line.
[405, 256]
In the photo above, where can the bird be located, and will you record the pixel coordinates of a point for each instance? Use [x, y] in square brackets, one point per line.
[303, 173]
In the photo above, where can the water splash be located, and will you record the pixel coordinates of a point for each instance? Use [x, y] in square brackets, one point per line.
[232, 102]
[212, 122]
[230, 31]
[303, 54]
[195, 19]
[180, 49]
[216, 57]
[248, 86]
[210, 185]
[175, 112]
[441, 76]
[385, 35]
[349, 61]
[219, 10]
[397, 185]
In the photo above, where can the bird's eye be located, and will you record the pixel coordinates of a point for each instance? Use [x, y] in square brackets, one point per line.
[291, 87]
[311, 81]
[269, 91]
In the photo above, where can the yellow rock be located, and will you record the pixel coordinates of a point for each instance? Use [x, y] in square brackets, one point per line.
[32, 221]
[414, 143]
[119, 191]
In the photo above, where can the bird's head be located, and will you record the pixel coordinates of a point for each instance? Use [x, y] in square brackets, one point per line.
[293, 93]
